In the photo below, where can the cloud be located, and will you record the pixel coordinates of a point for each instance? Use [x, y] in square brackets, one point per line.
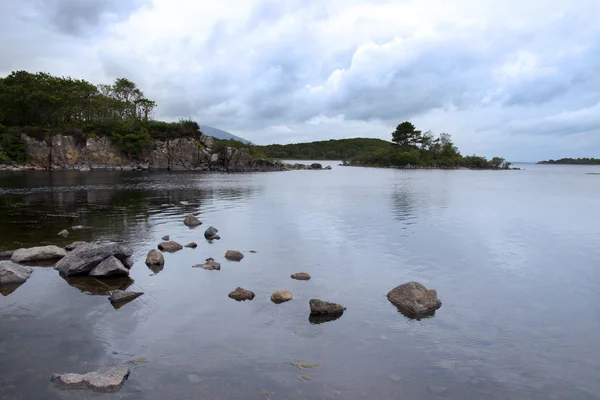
[494, 74]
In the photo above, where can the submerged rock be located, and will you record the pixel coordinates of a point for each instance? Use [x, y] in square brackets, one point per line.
[192, 245]
[74, 245]
[301, 276]
[109, 267]
[212, 233]
[117, 296]
[103, 380]
[64, 233]
[210, 265]
[241, 294]
[170, 247]
[320, 307]
[86, 257]
[36, 254]
[414, 299]
[11, 273]
[191, 221]
[234, 255]
[281, 296]
[166, 238]
[155, 257]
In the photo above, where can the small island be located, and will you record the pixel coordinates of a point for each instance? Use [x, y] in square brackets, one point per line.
[573, 161]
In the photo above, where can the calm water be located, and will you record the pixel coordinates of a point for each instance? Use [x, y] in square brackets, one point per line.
[514, 256]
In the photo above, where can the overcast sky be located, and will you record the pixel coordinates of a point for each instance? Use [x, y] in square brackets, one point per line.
[516, 78]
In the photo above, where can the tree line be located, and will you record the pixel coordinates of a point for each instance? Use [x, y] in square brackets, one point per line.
[574, 161]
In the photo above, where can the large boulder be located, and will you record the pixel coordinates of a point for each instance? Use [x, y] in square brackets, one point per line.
[316, 166]
[86, 257]
[11, 273]
[155, 257]
[102, 380]
[319, 307]
[170, 247]
[241, 294]
[301, 276]
[234, 255]
[191, 221]
[281, 296]
[37, 254]
[414, 299]
[109, 267]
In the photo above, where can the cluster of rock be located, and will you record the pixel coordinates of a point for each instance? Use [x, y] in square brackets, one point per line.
[313, 166]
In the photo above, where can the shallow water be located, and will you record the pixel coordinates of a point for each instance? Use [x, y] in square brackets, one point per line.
[513, 255]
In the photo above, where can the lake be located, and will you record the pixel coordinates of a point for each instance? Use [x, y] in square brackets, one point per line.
[513, 255]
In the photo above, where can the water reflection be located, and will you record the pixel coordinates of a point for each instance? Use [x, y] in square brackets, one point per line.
[5, 290]
[95, 287]
[321, 319]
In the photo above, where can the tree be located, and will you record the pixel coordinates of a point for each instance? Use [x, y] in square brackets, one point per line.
[406, 135]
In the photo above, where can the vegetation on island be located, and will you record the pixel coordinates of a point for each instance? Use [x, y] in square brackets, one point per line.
[573, 161]
[41, 105]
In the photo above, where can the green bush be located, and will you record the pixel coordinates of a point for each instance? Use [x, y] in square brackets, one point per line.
[12, 147]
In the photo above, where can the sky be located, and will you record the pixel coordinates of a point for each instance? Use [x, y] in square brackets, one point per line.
[517, 79]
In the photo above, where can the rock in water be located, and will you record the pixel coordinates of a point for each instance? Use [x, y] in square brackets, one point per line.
[209, 265]
[117, 296]
[11, 273]
[109, 267]
[191, 221]
[170, 247]
[36, 254]
[211, 233]
[128, 263]
[415, 299]
[319, 307]
[6, 254]
[316, 166]
[192, 245]
[102, 380]
[301, 276]
[281, 296]
[86, 257]
[240, 294]
[166, 238]
[74, 245]
[155, 257]
[64, 233]
[234, 255]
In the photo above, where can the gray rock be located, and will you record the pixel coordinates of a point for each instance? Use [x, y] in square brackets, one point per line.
[281, 296]
[74, 245]
[192, 245]
[6, 254]
[234, 255]
[166, 238]
[11, 273]
[170, 247]
[414, 299]
[117, 296]
[109, 267]
[36, 254]
[316, 166]
[128, 263]
[209, 266]
[103, 380]
[155, 257]
[328, 167]
[191, 221]
[86, 257]
[301, 276]
[240, 294]
[64, 233]
[77, 227]
[211, 233]
[319, 307]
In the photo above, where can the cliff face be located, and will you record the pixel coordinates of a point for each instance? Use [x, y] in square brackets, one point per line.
[72, 152]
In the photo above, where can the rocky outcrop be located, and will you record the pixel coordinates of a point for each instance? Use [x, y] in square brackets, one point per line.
[86, 257]
[234, 255]
[232, 159]
[313, 166]
[301, 276]
[102, 380]
[241, 294]
[281, 296]
[12, 274]
[38, 254]
[414, 299]
[155, 257]
[109, 267]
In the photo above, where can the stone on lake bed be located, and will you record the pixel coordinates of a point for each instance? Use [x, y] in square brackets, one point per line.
[281, 296]
[301, 276]
[36, 254]
[109, 267]
[320, 307]
[241, 294]
[170, 247]
[103, 380]
[191, 221]
[155, 257]
[234, 255]
[192, 245]
[11, 273]
[64, 233]
[414, 299]
[118, 296]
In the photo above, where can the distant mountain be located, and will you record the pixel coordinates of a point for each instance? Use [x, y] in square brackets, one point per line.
[220, 134]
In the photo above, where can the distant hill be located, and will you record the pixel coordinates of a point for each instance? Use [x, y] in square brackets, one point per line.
[341, 149]
[573, 161]
[221, 134]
